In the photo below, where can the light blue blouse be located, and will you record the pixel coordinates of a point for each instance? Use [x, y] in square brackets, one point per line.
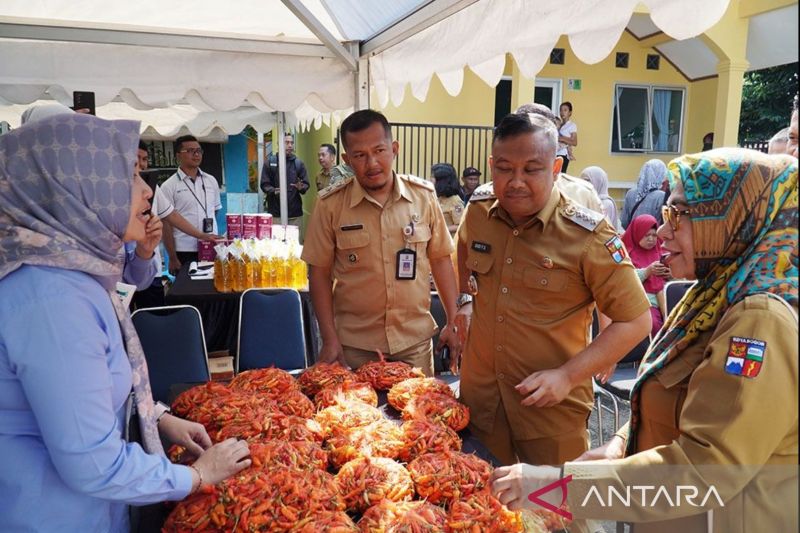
[64, 381]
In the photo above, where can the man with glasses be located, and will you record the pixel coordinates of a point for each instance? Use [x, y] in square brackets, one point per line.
[195, 195]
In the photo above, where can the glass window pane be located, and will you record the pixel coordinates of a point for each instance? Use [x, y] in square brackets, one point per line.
[666, 119]
[632, 128]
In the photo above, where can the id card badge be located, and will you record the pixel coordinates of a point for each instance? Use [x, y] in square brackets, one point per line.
[406, 264]
[208, 225]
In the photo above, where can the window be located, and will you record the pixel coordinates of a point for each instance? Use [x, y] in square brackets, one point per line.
[557, 56]
[647, 119]
[622, 59]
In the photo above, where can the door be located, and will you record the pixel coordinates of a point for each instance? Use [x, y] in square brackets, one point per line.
[547, 91]
[502, 100]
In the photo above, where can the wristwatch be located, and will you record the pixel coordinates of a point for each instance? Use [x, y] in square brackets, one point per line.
[463, 299]
[160, 410]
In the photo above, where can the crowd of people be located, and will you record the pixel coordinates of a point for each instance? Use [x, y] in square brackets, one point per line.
[520, 263]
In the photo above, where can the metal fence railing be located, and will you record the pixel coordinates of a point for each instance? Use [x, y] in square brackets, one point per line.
[761, 146]
[424, 145]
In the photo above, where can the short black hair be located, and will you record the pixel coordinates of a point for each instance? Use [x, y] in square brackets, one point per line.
[514, 124]
[142, 145]
[568, 104]
[361, 120]
[184, 139]
[329, 147]
[446, 179]
[538, 109]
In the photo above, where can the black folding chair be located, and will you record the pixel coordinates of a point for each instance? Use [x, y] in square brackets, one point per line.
[174, 346]
[674, 291]
[271, 331]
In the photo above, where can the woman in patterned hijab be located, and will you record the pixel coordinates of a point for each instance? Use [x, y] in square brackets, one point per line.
[70, 194]
[716, 396]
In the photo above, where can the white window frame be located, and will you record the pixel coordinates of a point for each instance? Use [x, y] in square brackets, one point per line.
[648, 133]
[556, 84]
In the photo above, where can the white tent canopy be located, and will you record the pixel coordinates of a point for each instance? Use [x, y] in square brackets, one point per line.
[307, 57]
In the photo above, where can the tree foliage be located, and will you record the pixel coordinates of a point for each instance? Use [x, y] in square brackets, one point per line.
[767, 101]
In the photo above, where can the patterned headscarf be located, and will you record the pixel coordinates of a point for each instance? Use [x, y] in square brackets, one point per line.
[651, 176]
[743, 207]
[65, 201]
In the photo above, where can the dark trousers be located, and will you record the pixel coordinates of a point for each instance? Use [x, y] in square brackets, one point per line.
[565, 165]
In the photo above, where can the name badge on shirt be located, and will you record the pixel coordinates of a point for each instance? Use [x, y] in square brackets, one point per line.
[406, 264]
[208, 225]
[481, 247]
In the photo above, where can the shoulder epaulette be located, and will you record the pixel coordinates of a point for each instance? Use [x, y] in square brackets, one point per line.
[484, 192]
[338, 186]
[418, 181]
[582, 216]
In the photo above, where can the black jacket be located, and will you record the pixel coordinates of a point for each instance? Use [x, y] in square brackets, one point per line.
[295, 173]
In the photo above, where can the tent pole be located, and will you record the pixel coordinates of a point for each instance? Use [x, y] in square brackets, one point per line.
[361, 78]
[282, 167]
[260, 166]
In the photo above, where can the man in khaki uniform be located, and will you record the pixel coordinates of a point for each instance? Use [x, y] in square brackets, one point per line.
[372, 243]
[537, 262]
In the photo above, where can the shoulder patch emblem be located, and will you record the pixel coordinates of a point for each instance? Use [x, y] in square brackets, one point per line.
[419, 181]
[582, 216]
[339, 185]
[616, 249]
[484, 192]
[745, 356]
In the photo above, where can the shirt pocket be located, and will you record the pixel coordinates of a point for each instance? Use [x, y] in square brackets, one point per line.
[352, 249]
[479, 263]
[422, 234]
[543, 292]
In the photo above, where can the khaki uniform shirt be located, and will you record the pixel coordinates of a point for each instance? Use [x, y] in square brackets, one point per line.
[352, 234]
[452, 208]
[323, 179]
[536, 289]
[580, 191]
[713, 427]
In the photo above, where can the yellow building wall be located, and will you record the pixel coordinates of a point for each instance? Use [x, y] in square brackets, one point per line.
[306, 147]
[593, 105]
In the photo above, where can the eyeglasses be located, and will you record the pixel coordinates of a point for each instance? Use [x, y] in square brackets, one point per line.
[672, 216]
[193, 151]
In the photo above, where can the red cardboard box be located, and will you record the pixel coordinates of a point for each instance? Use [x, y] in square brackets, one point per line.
[205, 250]
[248, 226]
[263, 226]
[234, 223]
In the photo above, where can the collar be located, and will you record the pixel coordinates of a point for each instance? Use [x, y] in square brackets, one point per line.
[399, 190]
[544, 215]
[183, 175]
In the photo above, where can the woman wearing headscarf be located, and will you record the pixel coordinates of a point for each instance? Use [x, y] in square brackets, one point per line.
[599, 180]
[70, 194]
[714, 414]
[644, 248]
[647, 197]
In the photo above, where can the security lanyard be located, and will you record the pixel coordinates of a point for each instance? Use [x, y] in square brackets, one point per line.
[205, 195]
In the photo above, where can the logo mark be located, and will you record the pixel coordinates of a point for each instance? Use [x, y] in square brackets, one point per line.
[562, 483]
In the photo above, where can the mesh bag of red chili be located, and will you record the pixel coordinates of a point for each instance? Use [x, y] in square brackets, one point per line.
[199, 513]
[186, 401]
[482, 512]
[439, 408]
[383, 374]
[296, 403]
[274, 454]
[323, 375]
[327, 521]
[346, 415]
[401, 393]
[381, 438]
[270, 381]
[421, 435]
[443, 477]
[344, 392]
[232, 408]
[365, 481]
[403, 517]
[272, 426]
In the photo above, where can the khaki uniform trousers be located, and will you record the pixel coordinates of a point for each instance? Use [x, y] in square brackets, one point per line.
[420, 355]
[555, 450]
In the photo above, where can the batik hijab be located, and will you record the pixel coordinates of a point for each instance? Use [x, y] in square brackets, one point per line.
[743, 206]
[640, 257]
[651, 176]
[65, 201]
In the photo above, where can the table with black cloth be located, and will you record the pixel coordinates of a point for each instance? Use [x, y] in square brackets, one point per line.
[220, 313]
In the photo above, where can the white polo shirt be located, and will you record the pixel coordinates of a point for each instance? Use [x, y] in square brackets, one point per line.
[194, 200]
[566, 131]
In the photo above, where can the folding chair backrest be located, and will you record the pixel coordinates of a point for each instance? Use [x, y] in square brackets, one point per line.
[437, 310]
[173, 343]
[674, 291]
[271, 331]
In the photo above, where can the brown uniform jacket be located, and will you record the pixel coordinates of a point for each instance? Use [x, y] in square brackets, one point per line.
[703, 426]
[452, 208]
[537, 286]
[580, 191]
[358, 239]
